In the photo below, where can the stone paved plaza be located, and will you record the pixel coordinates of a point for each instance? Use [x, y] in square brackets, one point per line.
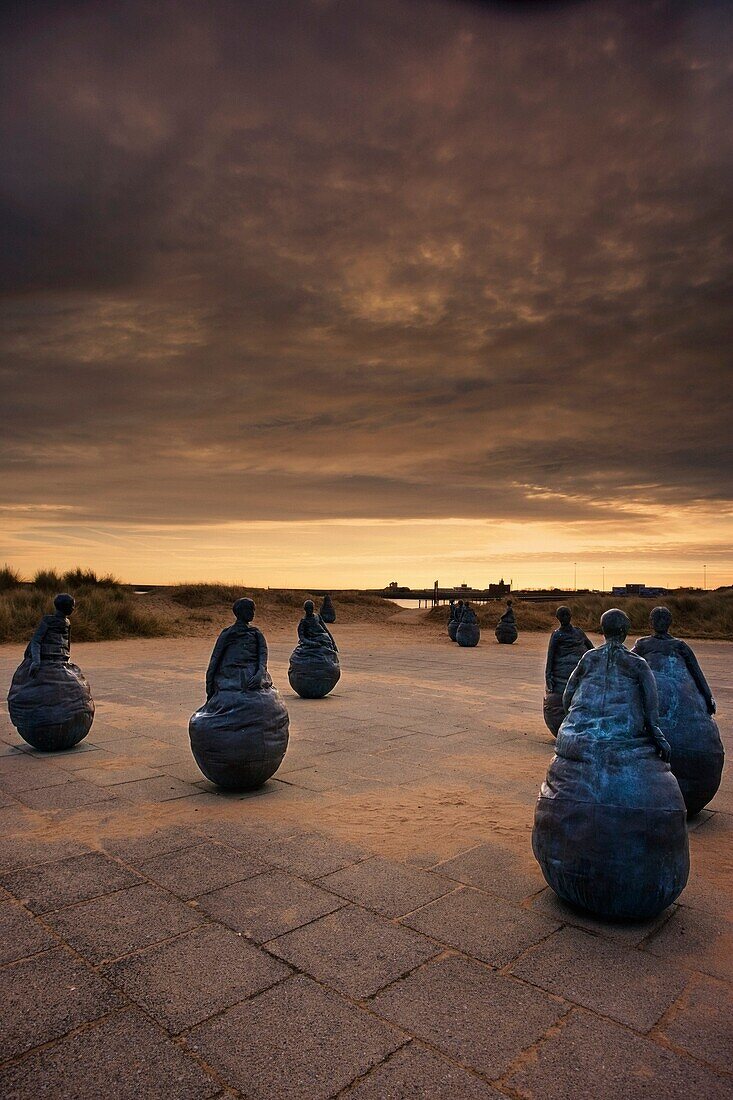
[370, 925]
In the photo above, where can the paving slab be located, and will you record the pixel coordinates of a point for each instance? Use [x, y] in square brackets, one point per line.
[702, 1022]
[128, 920]
[197, 870]
[45, 996]
[21, 934]
[25, 851]
[497, 870]
[112, 774]
[269, 905]
[623, 983]
[354, 951]
[136, 847]
[311, 855]
[122, 1057]
[297, 1040]
[590, 1057]
[23, 772]
[695, 939]
[482, 925]
[64, 796]
[160, 788]
[65, 881]
[469, 1012]
[186, 980]
[632, 933]
[416, 1073]
[392, 889]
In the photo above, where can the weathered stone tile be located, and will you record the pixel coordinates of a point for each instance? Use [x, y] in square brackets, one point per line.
[53, 885]
[25, 851]
[389, 888]
[184, 981]
[623, 983]
[21, 934]
[497, 870]
[23, 772]
[47, 995]
[310, 855]
[695, 939]
[415, 1073]
[702, 1022]
[160, 788]
[65, 796]
[480, 1018]
[355, 952]
[193, 871]
[125, 921]
[593, 1057]
[123, 1057]
[631, 933]
[269, 905]
[137, 846]
[296, 1040]
[482, 925]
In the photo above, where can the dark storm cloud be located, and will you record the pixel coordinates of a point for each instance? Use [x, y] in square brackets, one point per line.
[378, 259]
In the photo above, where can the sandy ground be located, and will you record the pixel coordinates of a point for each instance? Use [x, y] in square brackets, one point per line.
[430, 757]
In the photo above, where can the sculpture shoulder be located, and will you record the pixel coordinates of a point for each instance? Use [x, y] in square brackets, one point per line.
[642, 645]
[636, 662]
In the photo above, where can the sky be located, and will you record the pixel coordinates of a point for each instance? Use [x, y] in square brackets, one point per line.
[327, 292]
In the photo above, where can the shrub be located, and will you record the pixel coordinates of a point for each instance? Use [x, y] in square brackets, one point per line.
[9, 578]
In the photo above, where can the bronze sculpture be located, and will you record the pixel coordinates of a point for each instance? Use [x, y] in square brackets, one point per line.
[49, 700]
[506, 629]
[314, 668]
[455, 622]
[328, 611]
[686, 709]
[240, 734]
[610, 828]
[567, 645]
[468, 631]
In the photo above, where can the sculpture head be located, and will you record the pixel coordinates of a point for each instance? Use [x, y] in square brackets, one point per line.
[563, 615]
[615, 625]
[64, 603]
[509, 603]
[244, 610]
[308, 607]
[661, 620]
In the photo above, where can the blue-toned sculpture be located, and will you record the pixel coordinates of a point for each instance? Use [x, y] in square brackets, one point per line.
[240, 734]
[567, 645]
[686, 709]
[610, 827]
[314, 663]
[328, 612]
[506, 629]
[468, 632]
[455, 622]
[49, 700]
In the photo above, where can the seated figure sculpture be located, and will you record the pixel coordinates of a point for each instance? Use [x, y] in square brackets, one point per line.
[567, 645]
[328, 611]
[455, 622]
[240, 734]
[314, 663]
[451, 614]
[49, 700]
[506, 629]
[610, 827]
[686, 709]
[468, 632]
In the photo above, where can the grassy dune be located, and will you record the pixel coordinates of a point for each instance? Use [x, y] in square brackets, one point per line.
[274, 604]
[696, 614]
[105, 610]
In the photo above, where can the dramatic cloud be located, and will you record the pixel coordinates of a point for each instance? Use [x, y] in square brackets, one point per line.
[387, 260]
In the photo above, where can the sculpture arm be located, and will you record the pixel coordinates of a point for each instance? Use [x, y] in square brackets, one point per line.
[35, 645]
[255, 681]
[302, 636]
[588, 644]
[699, 677]
[572, 685]
[549, 683]
[650, 697]
[333, 640]
[216, 655]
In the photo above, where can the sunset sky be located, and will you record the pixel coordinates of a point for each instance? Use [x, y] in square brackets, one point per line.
[339, 292]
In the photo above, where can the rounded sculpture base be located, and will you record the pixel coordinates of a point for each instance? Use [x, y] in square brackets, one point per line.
[698, 774]
[506, 634]
[610, 831]
[313, 685]
[52, 710]
[239, 738]
[453, 630]
[468, 635]
[553, 711]
[327, 617]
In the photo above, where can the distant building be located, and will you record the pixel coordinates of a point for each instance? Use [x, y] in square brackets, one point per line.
[638, 590]
[499, 590]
